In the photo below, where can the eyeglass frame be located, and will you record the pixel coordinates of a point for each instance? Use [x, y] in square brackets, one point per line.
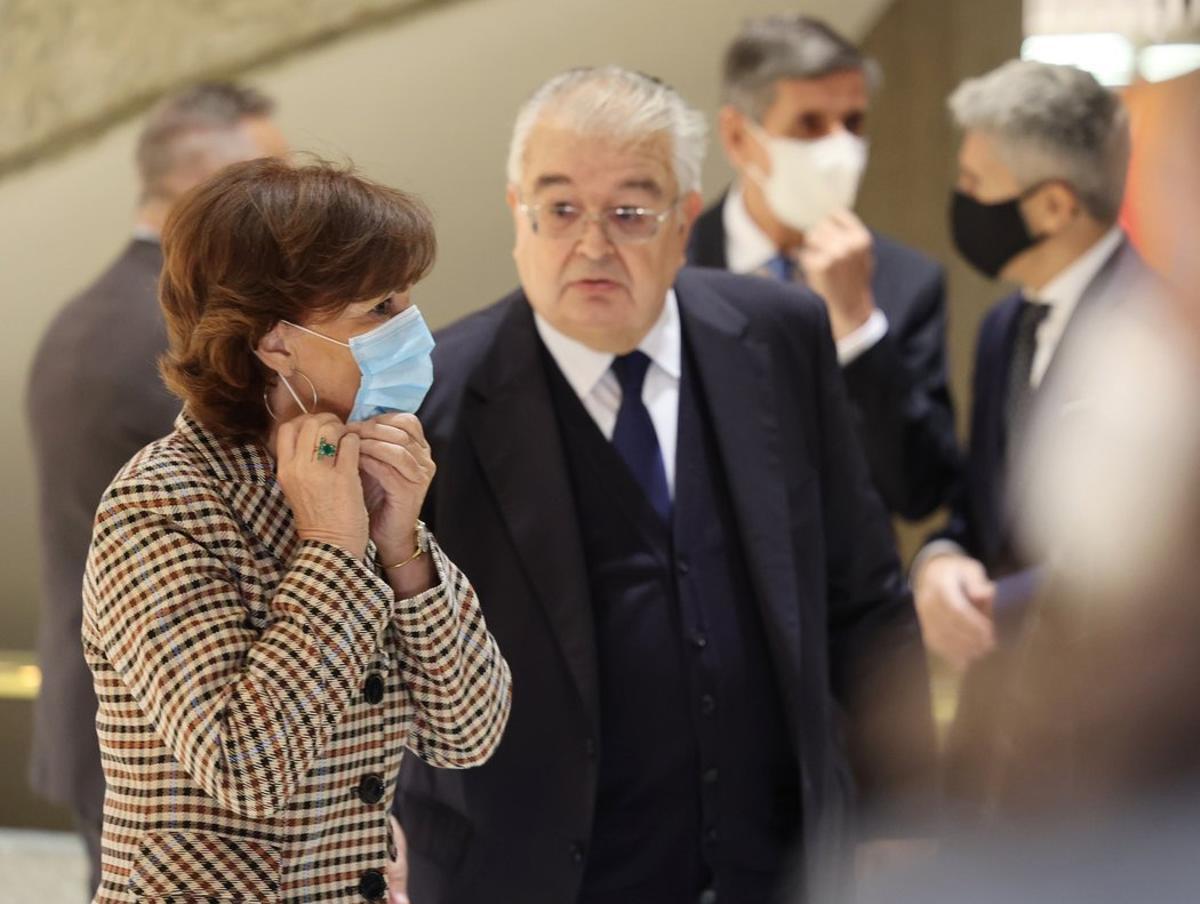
[531, 212]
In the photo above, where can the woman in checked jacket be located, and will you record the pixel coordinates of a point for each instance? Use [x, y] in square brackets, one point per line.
[268, 624]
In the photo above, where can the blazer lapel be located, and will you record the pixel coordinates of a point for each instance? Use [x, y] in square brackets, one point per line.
[707, 245]
[509, 417]
[734, 372]
[1123, 277]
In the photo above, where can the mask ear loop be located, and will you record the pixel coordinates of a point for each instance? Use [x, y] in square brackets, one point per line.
[755, 172]
[292, 392]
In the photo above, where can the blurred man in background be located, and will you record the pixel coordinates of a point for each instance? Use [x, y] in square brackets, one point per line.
[94, 399]
[796, 96]
[1096, 797]
[1042, 171]
[1041, 179]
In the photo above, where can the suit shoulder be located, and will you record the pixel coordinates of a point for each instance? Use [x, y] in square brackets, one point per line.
[912, 271]
[165, 475]
[123, 297]
[766, 303]
[896, 252]
[465, 341]
[461, 347]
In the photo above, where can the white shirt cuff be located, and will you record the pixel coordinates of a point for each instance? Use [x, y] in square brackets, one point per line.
[929, 552]
[862, 339]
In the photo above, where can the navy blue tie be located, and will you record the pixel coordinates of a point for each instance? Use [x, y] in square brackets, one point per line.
[634, 437]
[782, 267]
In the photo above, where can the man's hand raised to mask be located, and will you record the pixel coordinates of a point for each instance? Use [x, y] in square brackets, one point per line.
[838, 261]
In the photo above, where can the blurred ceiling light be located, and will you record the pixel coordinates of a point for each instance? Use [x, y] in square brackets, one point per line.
[1160, 62]
[1109, 57]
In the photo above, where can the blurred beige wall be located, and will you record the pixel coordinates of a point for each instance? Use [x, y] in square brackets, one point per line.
[425, 103]
[68, 67]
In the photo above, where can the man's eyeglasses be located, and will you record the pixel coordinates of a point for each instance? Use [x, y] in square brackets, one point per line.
[622, 225]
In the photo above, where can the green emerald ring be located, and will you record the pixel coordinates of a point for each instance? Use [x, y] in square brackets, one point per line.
[325, 449]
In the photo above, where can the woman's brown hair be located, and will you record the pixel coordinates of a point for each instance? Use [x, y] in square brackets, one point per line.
[265, 241]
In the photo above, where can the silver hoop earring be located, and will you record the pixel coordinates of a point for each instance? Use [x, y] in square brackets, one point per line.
[292, 392]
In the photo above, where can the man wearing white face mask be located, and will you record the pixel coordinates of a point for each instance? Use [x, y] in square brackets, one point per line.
[796, 96]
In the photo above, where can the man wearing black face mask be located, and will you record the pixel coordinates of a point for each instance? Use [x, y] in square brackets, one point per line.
[1041, 180]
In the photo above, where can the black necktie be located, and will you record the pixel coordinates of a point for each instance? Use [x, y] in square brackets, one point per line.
[634, 437]
[1020, 390]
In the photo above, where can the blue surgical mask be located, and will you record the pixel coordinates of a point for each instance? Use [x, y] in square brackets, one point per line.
[395, 363]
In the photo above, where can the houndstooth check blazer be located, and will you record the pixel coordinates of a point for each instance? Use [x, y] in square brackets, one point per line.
[256, 691]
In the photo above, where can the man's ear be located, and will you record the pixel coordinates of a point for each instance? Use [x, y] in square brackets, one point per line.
[512, 197]
[1062, 203]
[690, 205]
[736, 140]
[1053, 208]
[273, 351]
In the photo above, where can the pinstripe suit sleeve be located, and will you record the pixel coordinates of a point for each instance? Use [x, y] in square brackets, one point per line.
[245, 712]
[453, 668]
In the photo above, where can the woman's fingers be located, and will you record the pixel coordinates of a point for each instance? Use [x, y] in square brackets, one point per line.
[347, 458]
[407, 434]
[315, 431]
[400, 459]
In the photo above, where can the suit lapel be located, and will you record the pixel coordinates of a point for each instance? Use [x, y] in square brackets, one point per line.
[734, 372]
[1122, 274]
[509, 417]
[707, 246]
[988, 430]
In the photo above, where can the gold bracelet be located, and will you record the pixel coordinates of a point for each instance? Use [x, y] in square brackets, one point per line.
[416, 555]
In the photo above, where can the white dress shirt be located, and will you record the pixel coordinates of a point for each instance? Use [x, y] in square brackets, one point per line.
[748, 249]
[1062, 294]
[589, 373]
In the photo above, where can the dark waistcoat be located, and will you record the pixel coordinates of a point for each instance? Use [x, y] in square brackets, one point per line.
[697, 795]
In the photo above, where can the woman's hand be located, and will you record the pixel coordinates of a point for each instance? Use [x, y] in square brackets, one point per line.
[397, 468]
[325, 492]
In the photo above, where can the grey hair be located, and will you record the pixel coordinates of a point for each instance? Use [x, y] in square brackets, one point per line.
[786, 46]
[1052, 122]
[198, 123]
[617, 103]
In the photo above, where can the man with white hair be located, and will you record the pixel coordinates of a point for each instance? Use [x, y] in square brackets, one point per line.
[651, 475]
[94, 399]
[1041, 180]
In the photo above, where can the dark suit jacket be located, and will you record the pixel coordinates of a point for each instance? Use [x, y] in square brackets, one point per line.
[94, 399]
[838, 618]
[980, 521]
[899, 388]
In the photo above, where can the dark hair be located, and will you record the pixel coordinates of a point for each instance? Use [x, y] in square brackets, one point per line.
[265, 241]
[784, 46]
[205, 107]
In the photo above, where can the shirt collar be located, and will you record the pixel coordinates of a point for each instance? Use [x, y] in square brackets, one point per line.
[143, 233]
[1064, 291]
[584, 367]
[747, 247]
